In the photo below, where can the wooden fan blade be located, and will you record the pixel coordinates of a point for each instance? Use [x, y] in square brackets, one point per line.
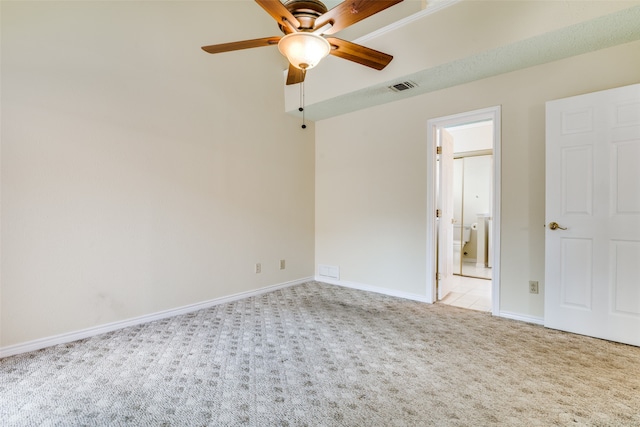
[279, 12]
[357, 53]
[351, 11]
[246, 44]
[295, 75]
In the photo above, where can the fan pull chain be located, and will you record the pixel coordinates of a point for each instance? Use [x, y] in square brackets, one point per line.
[301, 108]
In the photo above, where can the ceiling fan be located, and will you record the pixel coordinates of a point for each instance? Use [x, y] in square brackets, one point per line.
[305, 24]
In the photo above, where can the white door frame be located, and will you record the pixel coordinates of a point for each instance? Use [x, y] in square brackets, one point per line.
[491, 113]
[444, 241]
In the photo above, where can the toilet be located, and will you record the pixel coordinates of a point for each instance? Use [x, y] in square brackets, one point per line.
[460, 231]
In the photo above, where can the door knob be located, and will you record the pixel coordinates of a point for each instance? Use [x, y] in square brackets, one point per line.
[555, 226]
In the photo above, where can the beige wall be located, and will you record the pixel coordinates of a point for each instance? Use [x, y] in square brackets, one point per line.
[138, 173]
[371, 175]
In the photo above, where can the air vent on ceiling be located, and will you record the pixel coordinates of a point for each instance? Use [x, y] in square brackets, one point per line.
[399, 87]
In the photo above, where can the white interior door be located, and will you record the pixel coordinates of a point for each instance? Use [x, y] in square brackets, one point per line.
[445, 221]
[592, 261]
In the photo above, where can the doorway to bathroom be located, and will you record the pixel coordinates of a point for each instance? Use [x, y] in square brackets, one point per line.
[464, 229]
[472, 198]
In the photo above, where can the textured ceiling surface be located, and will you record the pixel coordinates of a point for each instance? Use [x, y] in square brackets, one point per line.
[599, 33]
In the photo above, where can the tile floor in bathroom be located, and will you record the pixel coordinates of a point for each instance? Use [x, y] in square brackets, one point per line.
[472, 270]
[470, 292]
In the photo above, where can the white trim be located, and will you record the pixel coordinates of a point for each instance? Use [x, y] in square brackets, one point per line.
[109, 327]
[432, 204]
[376, 289]
[420, 298]
[522, 317]
[491, 113]
[432, 7]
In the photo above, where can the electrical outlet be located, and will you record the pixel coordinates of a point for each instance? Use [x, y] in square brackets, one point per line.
[282, 264]
[258, 268]
[533, 286]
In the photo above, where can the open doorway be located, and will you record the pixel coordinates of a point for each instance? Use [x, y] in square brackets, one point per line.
[463, 230]
[472, 198]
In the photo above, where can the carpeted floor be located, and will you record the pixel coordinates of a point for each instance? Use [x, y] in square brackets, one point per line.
[322, 355]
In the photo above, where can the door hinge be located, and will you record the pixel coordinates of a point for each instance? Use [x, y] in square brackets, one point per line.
[438, 213]
[438, 276]
[439, 150]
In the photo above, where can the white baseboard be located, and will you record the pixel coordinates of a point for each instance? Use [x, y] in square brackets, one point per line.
[376, 289]
[521, 317]
[421, 298]
[108, 327]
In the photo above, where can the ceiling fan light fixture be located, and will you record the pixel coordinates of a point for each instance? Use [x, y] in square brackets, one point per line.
[304, 50]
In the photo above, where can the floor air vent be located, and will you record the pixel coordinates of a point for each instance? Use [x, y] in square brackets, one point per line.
[399, 87]
[329, 271]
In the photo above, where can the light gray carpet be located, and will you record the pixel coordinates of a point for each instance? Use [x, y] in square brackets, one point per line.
[322, 355]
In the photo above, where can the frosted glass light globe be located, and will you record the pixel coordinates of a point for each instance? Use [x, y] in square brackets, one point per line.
[304, 50]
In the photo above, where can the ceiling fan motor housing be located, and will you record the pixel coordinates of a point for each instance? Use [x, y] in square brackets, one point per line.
[305, 11]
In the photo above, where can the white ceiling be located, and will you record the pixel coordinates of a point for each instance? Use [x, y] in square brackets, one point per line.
[587, 36]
